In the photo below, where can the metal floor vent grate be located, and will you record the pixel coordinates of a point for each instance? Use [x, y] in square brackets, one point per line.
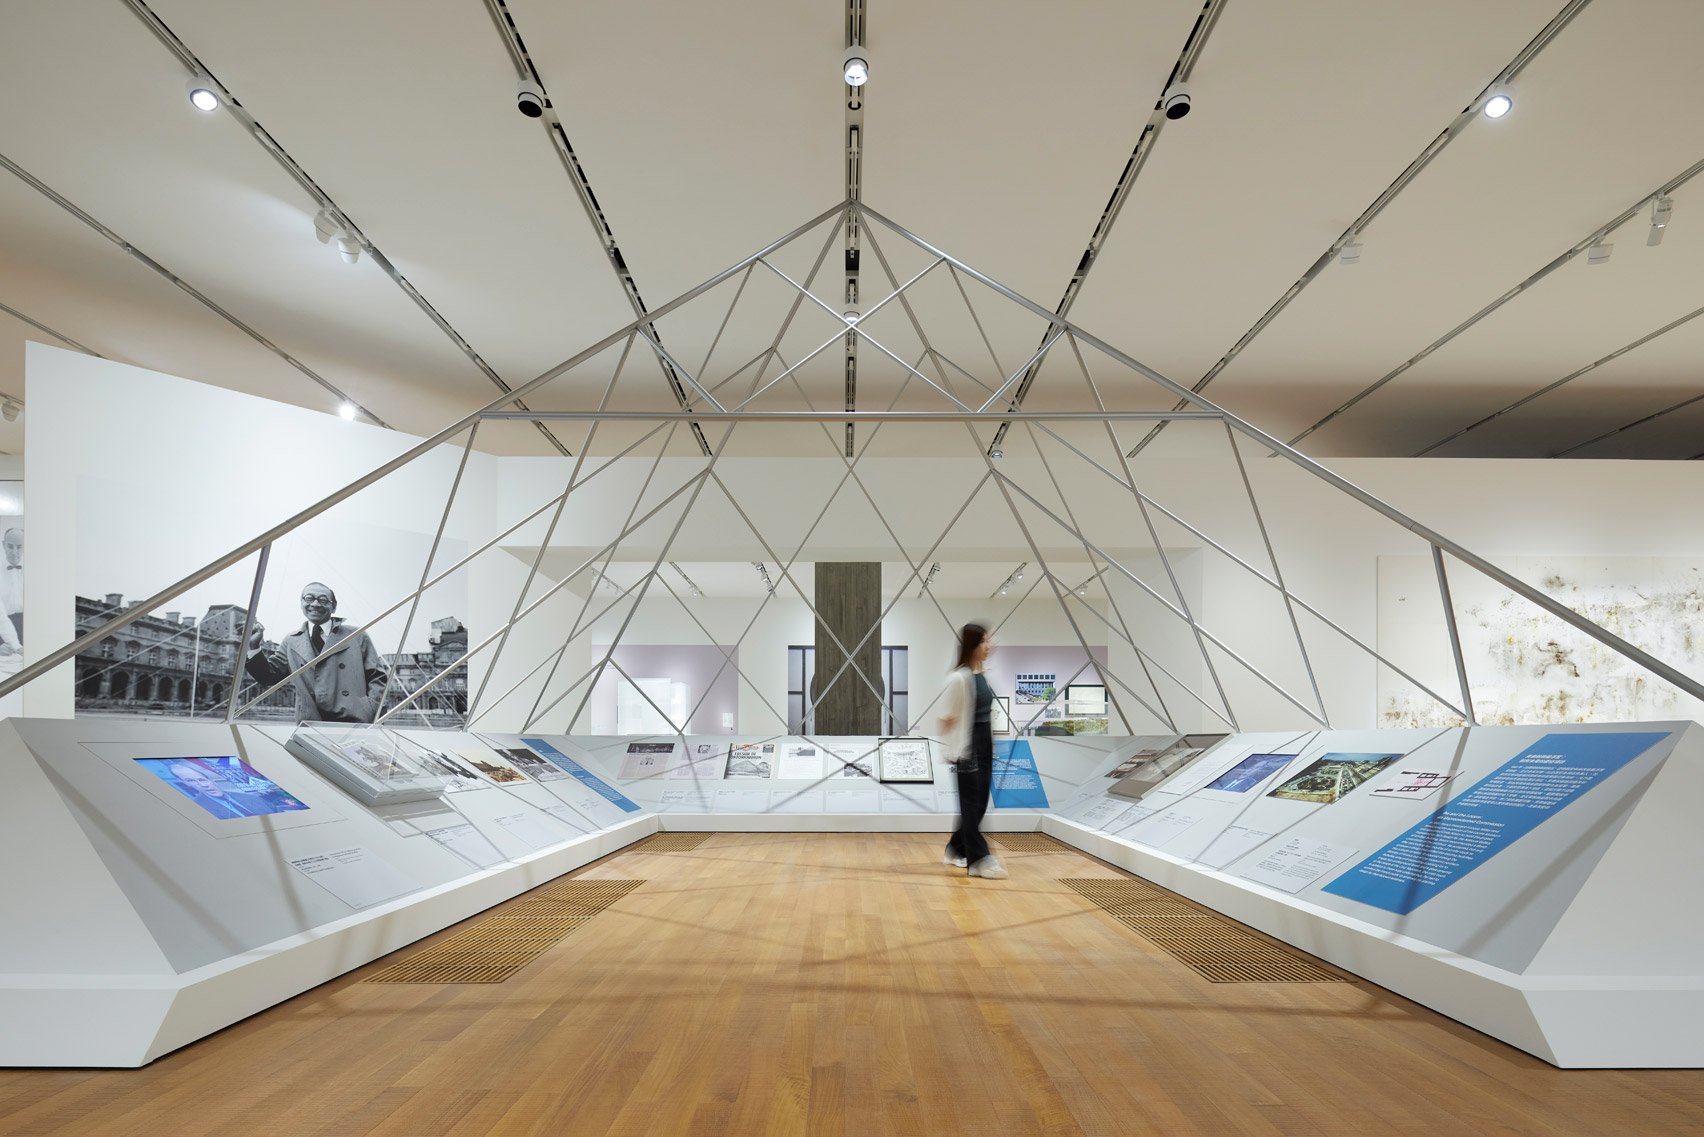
[494, 949]
[1029, 843]
[1217, 949]
[671, 842]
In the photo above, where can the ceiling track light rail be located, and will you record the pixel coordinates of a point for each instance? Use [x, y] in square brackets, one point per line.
[1176, 86]
[526, 73]
[322, 200]
[1016, 576]
[1467, 116]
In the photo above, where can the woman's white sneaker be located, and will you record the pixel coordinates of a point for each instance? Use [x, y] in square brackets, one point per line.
[989, 869]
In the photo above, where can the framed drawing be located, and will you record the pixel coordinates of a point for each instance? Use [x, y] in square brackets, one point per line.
[1085, 701]
[904, 760]
[1000, 716]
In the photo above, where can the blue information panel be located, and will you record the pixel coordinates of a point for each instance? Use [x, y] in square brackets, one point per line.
[585, 776]
[1499, 810]
[1016, 783]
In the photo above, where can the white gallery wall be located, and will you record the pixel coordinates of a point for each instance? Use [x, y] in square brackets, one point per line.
[198, 470]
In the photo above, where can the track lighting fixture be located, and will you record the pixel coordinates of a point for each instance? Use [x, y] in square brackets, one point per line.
[1498, 103]
[529, 100]
[329, 227]
[934, 569]
[690, 587]
[347, 410]
[1350, 252]
[996, 454]
[762, 571]
[1176, 101]
[1016, 576]
[204, 94]
[1662, 207]
[855, 66]
[1597, 252]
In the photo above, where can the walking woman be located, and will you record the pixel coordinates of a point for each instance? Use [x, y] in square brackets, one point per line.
[968, 730]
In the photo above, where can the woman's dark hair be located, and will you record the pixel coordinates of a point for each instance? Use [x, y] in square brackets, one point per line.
[970, 638]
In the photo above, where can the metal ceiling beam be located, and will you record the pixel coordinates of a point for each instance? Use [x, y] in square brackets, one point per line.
[504, 21]
[1596, 438]
[855, 32]
[1181, 69]
[1460, 123]
[170, 41]
[1564, 381]
[41, 327]
[88, 219]
[1555, 263]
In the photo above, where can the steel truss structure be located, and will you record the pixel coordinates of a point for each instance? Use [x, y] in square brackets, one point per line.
[959, 397]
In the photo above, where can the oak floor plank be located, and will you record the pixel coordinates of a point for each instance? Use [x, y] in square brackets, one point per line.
[848, 985]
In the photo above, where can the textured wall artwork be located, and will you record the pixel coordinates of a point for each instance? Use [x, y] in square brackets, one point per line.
[1526, 666]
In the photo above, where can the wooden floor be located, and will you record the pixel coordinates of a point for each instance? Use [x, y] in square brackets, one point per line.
[848, 984]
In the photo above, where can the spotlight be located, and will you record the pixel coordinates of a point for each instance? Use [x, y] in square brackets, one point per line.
[855, 66]
[1176, 102]
[1350, 253]
[326, 225]
[1597, 252]
[996, 454]
[1498, 103]
[347, 411]
[851, 316]
[1662, 207]
[529, 100]
[1082, 590]
[1018, 576]
[10, 409]
[348, 248]
[203, 94]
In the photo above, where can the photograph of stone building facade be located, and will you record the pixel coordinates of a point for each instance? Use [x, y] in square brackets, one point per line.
[179, 666]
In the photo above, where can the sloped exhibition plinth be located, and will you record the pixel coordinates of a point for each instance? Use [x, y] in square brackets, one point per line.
[1535, 883]
[1532, 882]
[145, 913]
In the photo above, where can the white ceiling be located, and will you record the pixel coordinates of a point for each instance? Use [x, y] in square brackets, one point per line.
[995, 129]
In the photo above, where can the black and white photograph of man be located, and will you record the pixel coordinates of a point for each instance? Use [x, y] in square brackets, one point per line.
[181, 661]
[346, 686]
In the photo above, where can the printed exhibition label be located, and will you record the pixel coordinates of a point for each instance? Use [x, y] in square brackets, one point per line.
[1495, 813]
[584, 776]
[1016, 783]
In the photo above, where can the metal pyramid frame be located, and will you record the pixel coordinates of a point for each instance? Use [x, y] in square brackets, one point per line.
[952, 394]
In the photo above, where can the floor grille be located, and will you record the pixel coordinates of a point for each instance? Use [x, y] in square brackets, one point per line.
[498, 946]
[1214, 947]
[672, 842]
[1028, 843]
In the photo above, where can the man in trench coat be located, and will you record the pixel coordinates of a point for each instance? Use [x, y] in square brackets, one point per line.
[345, 686]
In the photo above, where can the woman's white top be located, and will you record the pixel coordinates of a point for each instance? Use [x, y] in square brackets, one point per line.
[958, 702]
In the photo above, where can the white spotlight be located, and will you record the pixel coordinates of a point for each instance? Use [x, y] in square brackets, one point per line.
[348, 248]
[203, 94]
[1350, 253]
[1661, 209]
[996, 454]
[347, 410]
[326, 225]
[1597, 252]
[10, 409]
[1498, 103]
[855, 66]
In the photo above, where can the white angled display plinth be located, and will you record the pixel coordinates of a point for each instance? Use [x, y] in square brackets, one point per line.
[1576, 941]
[156, 901]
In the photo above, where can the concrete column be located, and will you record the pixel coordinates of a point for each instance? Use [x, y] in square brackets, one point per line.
[849, 601]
